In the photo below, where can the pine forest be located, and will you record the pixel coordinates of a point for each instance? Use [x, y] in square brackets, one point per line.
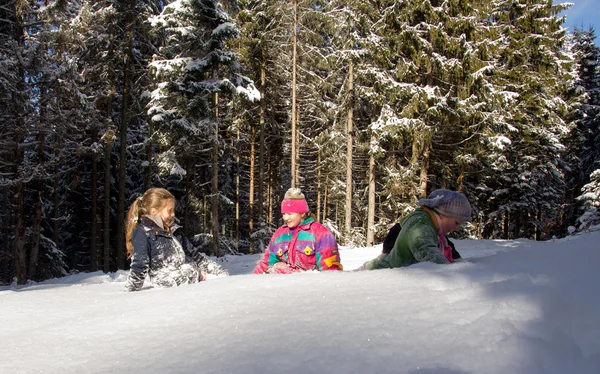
[365, 105]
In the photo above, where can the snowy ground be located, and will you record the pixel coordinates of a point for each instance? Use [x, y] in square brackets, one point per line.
[508, 307]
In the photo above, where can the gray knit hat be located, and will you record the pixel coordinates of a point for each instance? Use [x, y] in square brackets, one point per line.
[449, 203]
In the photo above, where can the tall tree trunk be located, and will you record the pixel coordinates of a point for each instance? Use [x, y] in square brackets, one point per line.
[271, 191]
[123, 144]
[326, 197]
[94, 210]
[204, 211]
[56, 194]
[37, 217]
[297, 145]
[6, 217]
[109, 137]
[19, 157]
[19, 243]
[371, 208]
[214, 186]
[188, 193]
[149, 153]
[237, 190]
[251, 187]
[349, 142]
[319, 185]
[423, 176]
[538, 228]
[294, 57]
[261, 153]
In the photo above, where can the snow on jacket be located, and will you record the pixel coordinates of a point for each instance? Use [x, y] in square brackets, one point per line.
[310, 246]
[417, 242]
[167, 257]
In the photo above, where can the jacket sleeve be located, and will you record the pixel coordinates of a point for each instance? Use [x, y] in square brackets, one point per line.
[329, 255]
[422, 242]
[140, 261]
[263, 264]
[266, 262]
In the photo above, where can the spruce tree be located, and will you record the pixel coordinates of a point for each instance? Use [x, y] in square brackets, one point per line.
[531, 80]
[195, 75]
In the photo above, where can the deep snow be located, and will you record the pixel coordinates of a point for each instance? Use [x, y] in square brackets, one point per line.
[508, 307]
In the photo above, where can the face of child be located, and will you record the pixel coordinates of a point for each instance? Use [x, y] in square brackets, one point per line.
[293, 219]
[167, 212]
[450, 224]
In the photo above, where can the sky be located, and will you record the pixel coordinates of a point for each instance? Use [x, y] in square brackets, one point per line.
[582, 14]
[517, 306]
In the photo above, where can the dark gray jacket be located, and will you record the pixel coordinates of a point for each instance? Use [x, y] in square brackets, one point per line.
[167, 257]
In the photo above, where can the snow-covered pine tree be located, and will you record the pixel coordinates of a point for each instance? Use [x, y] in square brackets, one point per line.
[15, 104]
[265, 54]
[420, 76]
[195, 74]
[342, 139]
[99, 39]
[587, 54]
[590, 200]
[525, 183]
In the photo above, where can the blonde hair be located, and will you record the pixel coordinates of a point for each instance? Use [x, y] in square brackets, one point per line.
[294, 194]
[153, 198]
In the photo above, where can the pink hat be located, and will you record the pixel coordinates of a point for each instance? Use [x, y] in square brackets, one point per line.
[294, 202]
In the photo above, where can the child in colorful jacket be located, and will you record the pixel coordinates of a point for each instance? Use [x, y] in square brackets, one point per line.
[301, 244]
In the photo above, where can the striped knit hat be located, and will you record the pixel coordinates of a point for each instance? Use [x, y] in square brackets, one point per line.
[449, 203]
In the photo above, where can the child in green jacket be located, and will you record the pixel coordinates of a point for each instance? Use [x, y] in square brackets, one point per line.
[423, 233]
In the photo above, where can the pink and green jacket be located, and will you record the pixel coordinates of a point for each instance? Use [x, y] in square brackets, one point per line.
[310, 246]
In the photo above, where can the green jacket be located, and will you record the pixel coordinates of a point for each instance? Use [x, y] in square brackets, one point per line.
[417, 242]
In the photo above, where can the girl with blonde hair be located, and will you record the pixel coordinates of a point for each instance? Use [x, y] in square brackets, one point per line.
[158, 248]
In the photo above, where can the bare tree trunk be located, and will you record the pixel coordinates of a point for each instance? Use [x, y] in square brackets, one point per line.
[319, 185]
[251, 187]
[94, 192]
[326, 197]
[349, 142]
[214, 186]
[294, 57]
[149, 155]
[204, 212]
[297, 145]
[237, 191]
[261, 154]
[123, 145]
[109, 137]
[371, 208]
[271, 192]
[56, 193]
[538, 229]
[460, 179]
[517, 225]
[423, 178]
[188, 183]
[37, 219]
[19, 243]
[6, 218]
[19, 157]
